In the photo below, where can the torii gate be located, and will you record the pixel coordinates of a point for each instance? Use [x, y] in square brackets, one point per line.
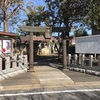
[47, 31]
[64, 30]
[31, 29]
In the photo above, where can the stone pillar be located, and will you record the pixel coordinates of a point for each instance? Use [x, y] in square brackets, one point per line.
[7, 63]
[82, 59]
[75, 59]
[90, 60]
[31, 54]
[99, 60]
[1, 44]
[64, 54]
[65, 37]
[69, 59]
[25, 60]
[0, 64]
[20, 60]
[14, 63]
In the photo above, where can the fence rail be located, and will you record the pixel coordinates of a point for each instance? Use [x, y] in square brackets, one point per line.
[12, 65]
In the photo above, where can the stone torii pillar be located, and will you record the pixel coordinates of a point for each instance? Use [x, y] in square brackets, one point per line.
[31, 53]
[65, 37]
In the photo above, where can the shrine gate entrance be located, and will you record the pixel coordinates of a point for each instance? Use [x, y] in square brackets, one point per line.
[47, 31]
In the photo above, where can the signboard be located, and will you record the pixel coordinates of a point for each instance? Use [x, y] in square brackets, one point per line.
[6, 46]
[88, 44]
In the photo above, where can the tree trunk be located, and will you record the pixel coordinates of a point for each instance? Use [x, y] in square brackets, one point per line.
[5, 25]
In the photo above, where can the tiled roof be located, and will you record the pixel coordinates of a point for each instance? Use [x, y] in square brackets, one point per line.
[7, 34]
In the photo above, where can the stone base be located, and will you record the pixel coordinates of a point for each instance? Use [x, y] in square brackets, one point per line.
[65, 69]
[30, 69]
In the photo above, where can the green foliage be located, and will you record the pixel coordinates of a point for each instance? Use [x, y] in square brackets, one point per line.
[35, 16]
[55, 18]
[67, 12]
[93, 16]
[80, 32]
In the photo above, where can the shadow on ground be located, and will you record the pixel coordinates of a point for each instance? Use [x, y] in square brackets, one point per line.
[49, 60]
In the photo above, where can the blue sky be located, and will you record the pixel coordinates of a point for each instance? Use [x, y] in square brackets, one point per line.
[36, 2]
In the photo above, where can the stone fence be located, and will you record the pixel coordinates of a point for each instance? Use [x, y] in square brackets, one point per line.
[12, 65]
[83, 60]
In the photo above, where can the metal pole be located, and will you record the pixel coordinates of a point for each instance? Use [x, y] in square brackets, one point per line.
[31, 52]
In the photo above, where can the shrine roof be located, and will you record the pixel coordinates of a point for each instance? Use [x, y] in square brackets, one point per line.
[8, 34]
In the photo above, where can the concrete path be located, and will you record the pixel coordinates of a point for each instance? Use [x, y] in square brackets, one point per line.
[44, 76]
[49, 76]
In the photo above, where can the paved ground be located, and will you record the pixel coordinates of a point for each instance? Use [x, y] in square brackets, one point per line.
[48, 73]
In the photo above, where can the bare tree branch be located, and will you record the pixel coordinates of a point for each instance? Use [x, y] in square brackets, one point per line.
[13, 12]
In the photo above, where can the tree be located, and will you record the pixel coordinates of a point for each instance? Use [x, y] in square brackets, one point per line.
[68, 12]
[80, 32]
[36, 16]
[8, 9]
[53, 10]
[65, 12]
[93, 15]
